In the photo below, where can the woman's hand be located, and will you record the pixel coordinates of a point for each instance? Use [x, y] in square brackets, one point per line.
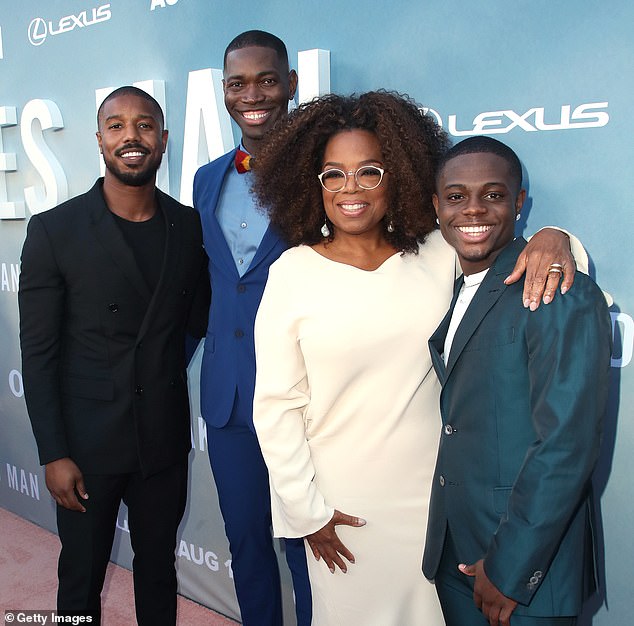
[326, 545]
[546, 253]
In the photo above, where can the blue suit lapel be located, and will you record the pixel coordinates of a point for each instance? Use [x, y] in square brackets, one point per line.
[269, 241]
[218, 247]
[488, 294]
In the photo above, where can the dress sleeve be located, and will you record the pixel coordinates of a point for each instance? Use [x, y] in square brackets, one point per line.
[282, 395]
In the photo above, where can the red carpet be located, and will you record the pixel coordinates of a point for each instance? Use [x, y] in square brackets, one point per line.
[28, 581]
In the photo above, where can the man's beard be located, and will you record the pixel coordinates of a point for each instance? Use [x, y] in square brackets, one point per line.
[134, 178]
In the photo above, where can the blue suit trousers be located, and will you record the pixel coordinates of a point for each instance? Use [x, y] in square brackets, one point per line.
[243, 491]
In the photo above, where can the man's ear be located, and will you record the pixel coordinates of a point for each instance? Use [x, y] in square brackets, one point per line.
[164, 138]
[98, 135]
[519, 201]
[292, 84]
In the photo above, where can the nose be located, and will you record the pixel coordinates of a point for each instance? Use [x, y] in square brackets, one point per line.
[252, 94]
[131, 133]
[474, 206]
[351, 182]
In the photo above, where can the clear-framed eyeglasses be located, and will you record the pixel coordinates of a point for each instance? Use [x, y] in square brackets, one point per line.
[367, 177]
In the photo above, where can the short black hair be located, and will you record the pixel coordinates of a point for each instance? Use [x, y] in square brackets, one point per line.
[482, 143]
[257, 38]
[129, 90]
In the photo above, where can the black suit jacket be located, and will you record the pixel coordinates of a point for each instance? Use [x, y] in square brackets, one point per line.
[103, 358]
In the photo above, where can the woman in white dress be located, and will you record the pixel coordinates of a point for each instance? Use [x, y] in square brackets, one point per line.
[346, 400]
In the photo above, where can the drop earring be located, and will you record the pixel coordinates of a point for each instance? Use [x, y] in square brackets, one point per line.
[517, 217]
[390, 227]
[438, 221]
[325, 231]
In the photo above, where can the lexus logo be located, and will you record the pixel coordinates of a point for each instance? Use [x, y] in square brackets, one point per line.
[37, 31]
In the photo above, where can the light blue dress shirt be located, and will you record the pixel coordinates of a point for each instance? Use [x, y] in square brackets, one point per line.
[242, 223]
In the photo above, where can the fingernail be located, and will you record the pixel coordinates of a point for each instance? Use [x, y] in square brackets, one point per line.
[526, 303]
[332, 570]
[547, 299]
[563, 289]
[533, 306]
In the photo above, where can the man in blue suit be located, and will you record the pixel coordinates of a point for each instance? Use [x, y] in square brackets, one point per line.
[257, 88]
[509, 539]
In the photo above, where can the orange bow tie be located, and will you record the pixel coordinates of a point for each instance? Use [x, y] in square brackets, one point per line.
[242, 161]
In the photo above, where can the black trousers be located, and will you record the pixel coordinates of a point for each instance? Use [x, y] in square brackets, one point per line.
[155, 508]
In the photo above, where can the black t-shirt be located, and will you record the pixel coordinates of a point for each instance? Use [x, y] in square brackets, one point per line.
[147, 240]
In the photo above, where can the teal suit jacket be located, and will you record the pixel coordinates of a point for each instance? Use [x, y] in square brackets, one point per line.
[522, 404]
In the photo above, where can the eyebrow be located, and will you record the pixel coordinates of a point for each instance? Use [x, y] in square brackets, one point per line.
[462, 185]
[117, 116]
[361, 163]
[258, 75]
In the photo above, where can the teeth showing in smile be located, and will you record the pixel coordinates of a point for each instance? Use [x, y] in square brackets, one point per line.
[353, 207]
[132, 154]
[473, 230]
[254, 115]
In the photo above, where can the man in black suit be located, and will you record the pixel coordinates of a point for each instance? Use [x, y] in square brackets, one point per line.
[111, 282]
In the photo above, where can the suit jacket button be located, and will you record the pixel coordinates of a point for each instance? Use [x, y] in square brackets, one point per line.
[241, 288]
[449, 429]
[538, 573]
[239, 333]
[138, 390]
[114, 307]
[184, 292]
[441, 480]
[533, 580]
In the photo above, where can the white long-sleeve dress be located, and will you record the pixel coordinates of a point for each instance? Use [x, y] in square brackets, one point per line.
[346, 411]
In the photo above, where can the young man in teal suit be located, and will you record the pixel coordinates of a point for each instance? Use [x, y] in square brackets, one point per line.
[509, 539]
[258, 85]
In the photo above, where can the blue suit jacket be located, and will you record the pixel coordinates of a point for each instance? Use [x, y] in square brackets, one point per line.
[522, 404]
[229, 354]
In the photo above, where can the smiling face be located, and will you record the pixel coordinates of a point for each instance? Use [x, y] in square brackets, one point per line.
[132, 139]
[476, 200]
[257, 86]
[353, 210]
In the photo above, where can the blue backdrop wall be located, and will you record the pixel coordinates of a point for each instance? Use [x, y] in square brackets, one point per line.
[553, 80]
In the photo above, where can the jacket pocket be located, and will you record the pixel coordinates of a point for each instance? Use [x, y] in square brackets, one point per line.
[493, 339]
[500, 499]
